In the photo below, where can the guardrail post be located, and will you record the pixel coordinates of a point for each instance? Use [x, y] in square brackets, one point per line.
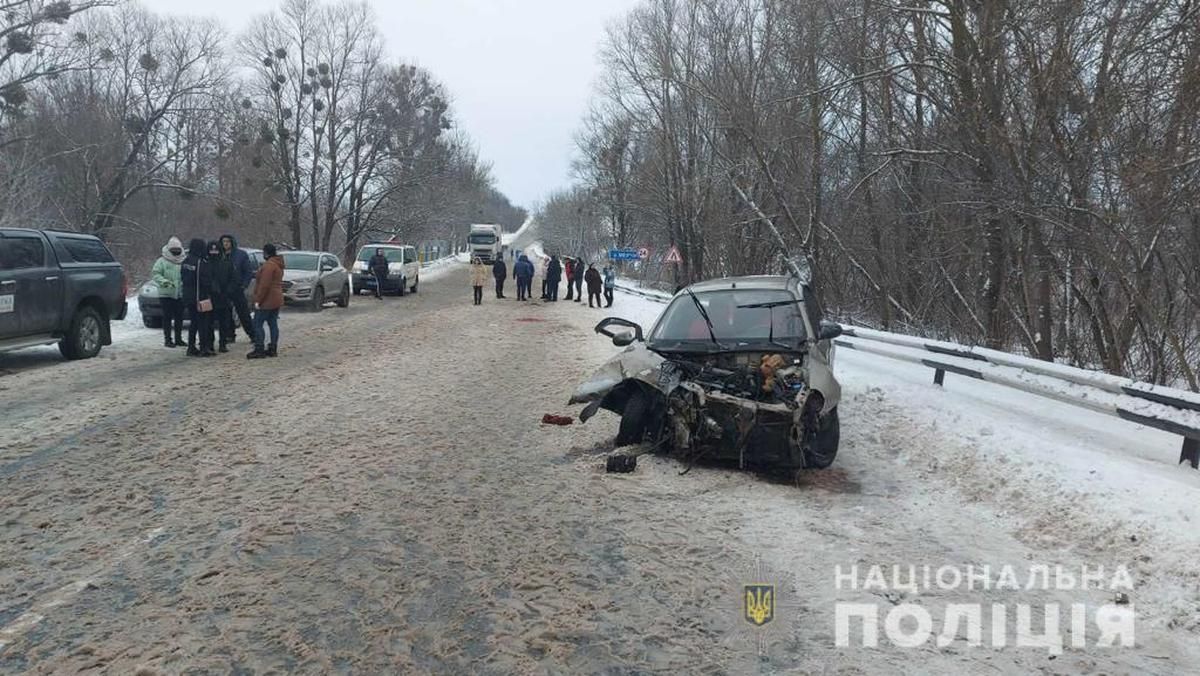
[939, 377]
[1191, 452]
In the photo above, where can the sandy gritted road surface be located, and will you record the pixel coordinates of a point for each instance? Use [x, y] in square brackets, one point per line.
[382, 499]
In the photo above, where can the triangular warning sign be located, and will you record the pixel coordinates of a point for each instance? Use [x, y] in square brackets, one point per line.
[673, 256]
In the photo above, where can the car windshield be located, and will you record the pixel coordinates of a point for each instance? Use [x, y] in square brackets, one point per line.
[482, 238]
[392, 255]
[733, 324]
[300, 261]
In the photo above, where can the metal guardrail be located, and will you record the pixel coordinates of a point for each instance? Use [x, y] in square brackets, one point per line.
[1076, 386]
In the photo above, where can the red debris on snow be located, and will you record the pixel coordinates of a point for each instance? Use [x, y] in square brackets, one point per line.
[550, 419]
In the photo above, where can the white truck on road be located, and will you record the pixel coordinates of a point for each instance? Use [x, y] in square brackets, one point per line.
[485, 241]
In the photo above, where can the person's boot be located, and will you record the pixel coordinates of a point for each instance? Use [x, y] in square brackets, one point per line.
[222, 348]
[167, 342]
[179, 342]
[257, 353]
[192, 351]
[271, 350]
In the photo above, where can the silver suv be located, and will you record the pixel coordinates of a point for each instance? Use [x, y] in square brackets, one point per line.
[737, 369]
[313, 277]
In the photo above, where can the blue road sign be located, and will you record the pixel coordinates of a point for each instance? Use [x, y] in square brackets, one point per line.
[623, 254]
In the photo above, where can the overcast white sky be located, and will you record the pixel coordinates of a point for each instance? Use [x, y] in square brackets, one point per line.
[520, 71]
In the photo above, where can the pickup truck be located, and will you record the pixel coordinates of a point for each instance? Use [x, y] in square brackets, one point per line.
[58, 287]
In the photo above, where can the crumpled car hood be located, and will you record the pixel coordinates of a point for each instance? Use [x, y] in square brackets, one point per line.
[634, 361]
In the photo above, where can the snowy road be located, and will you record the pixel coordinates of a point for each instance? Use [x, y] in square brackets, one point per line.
[383, 499]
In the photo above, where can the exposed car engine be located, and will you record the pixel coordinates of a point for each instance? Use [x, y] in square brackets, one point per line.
[748, 399]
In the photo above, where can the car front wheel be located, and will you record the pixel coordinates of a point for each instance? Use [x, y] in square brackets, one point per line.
[344, 298]
[823, 447]
[318, 299]
[83, 338]
[633, 420]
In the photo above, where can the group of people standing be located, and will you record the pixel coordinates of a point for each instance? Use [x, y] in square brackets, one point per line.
[209, 283]
[578, 273]
[522, 272]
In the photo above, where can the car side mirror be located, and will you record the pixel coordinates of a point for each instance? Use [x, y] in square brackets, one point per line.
[829, 330]
[623, 339]
[620, 338]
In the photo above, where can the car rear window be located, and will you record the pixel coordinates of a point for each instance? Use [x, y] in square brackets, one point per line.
[82, 250]
[21, 253]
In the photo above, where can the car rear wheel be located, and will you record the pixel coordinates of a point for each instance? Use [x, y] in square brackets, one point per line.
[152, 322]
[83, 338]
[318, 299]
[823, 448]
[633, 420]
[344, 299]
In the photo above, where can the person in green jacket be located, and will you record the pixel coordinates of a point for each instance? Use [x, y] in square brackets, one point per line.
[167, 277]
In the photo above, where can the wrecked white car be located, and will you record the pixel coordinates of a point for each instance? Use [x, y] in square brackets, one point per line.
[737, 369]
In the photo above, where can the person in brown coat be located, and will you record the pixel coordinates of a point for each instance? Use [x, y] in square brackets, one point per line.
[594, 284]
[268, 298]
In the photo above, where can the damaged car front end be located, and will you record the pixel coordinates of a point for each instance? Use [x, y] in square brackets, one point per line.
[735, 370]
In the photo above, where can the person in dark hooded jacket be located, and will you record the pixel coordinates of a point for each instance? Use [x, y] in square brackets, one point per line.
[523, 271]
[500, 273]
[553, 276]
[227, 288]
[244, 269]
[196, 274]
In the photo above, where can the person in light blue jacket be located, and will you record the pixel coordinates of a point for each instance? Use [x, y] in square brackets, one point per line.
[610, 284]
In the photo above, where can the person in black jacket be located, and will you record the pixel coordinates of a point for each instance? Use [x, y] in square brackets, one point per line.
[577, 273]
[378, 265]
[500, 272]
[594, 285]
[226, 289]
[553, 276]
[196, 274]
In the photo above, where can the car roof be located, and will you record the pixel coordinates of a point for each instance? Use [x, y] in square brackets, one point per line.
[747, 282]
[385, 245]
[49, 231]
[302, 251]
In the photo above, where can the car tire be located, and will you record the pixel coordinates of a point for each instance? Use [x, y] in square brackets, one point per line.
[83, 338]
[344, 299]
[819, 454]
[403, 286]
[318, 299]
[152, 322]
[634, 417]
[416, 283]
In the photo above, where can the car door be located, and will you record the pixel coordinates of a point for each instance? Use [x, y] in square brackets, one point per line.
[411, 266]
[31, 286]
[331, 280]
